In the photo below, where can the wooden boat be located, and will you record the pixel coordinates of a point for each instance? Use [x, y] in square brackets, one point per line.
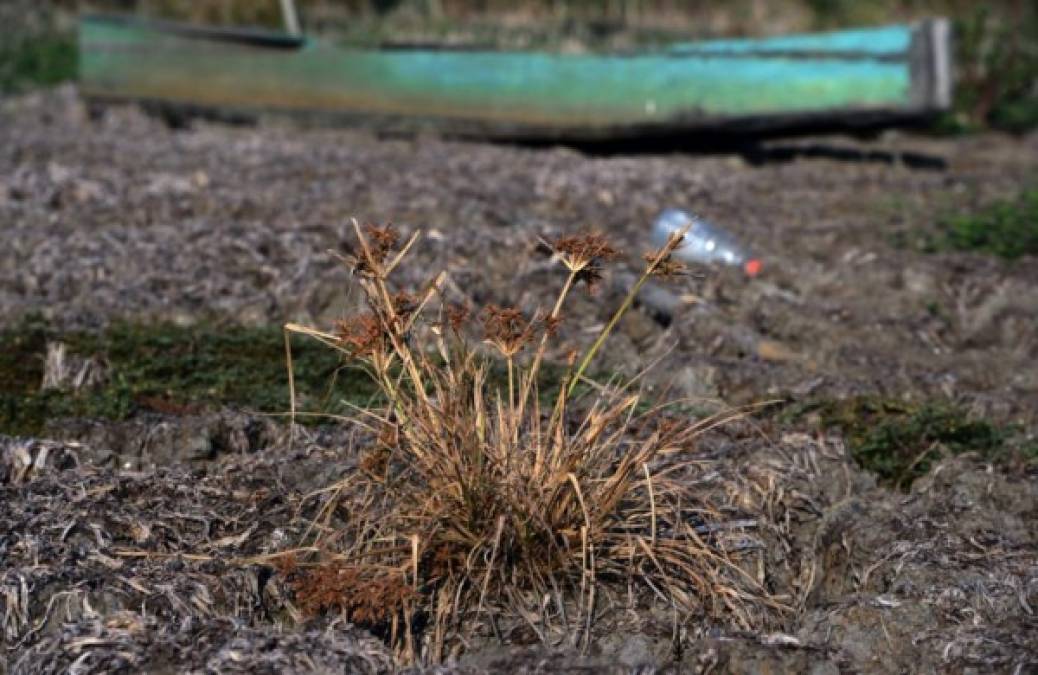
[854, 76]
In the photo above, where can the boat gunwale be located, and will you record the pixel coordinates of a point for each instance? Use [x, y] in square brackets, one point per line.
[684, 49]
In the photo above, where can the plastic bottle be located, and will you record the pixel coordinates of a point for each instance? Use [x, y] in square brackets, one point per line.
[704, 242]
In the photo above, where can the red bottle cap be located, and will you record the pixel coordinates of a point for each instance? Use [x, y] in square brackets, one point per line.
[752, 267]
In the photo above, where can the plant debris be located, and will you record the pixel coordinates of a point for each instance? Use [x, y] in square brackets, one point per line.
[146, 509]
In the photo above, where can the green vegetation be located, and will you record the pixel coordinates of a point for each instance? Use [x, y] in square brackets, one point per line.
[37, 48]
[900, 441]
[41, 61]
[997, 62]
[170, 369]
[1007, 228]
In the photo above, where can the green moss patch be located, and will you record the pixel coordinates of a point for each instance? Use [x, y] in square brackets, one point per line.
[900, 441]
[171, 369]
[1007, 228]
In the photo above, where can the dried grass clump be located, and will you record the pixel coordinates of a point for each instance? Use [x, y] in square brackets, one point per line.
[474, 500]
[367, 596]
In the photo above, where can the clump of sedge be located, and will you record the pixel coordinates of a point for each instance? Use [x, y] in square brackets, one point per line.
[473, 502]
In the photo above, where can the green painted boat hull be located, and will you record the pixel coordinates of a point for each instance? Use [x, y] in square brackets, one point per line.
[894, 71]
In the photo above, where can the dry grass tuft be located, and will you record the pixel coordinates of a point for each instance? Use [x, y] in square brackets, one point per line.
[472, 501]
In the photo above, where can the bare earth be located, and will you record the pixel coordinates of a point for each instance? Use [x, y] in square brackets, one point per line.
[121, 217]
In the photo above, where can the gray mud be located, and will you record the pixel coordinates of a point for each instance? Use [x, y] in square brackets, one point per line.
[137, 546]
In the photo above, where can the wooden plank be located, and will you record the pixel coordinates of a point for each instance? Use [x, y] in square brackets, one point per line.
[291, 17]
[888, 70]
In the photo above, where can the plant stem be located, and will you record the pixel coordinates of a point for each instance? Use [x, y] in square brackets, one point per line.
[600, 340]
[511, 389]
[539, 355]
[664, 253]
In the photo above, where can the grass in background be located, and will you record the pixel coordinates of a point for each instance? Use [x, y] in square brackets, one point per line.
[37, 47]
[996, 63]
[37, 62]
[1008, 228]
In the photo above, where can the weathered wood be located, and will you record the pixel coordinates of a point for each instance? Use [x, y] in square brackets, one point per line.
[291, 17]
[895, 71]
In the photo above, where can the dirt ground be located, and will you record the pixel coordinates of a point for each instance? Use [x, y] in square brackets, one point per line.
[118, 540]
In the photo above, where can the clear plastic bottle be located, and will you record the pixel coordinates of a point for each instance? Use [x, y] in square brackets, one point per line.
[704, 242]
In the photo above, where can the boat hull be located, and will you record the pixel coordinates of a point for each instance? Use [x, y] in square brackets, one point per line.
[895, 72]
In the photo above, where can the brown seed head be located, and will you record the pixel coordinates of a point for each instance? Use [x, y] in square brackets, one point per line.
[457, 315]
[667, 269]
[380, 240]
[361, 335]
[506, 329]
[580, 251]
